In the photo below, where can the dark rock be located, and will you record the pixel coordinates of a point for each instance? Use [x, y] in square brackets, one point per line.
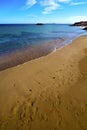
[39, 24]
[85, 28]
[82, 23]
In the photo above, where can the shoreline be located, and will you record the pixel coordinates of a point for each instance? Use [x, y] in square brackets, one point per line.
[21, 57]
[28, 54]
[47, 93]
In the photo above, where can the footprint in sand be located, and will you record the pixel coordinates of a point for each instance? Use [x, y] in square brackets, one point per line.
[14, 109]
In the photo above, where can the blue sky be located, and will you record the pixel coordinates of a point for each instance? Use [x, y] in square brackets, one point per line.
[46, 11]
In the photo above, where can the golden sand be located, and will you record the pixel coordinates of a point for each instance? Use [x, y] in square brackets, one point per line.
[49, 93]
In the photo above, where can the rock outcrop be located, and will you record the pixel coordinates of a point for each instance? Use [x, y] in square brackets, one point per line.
[82, 23]
[85, 28]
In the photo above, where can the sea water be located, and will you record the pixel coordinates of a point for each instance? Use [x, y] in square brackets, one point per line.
[20, 37]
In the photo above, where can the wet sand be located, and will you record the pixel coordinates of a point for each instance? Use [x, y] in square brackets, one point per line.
[49, 93]
[29, 53]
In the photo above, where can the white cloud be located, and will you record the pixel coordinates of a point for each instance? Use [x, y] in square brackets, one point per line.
[64, 0]
[50, 5]
[77, 19]
[50, 8]
[78, 3]
[30, 3]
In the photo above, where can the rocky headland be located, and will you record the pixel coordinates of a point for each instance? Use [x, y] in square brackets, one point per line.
[81, 23]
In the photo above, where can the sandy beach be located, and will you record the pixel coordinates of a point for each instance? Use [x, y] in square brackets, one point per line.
[49, 93]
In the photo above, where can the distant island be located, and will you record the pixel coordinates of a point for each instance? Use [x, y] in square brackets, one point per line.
[81, 23]
[39, 24]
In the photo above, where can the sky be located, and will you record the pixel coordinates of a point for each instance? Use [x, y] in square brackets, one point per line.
[43, 11]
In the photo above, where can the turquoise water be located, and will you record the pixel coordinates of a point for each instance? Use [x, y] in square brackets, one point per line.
[15, 37]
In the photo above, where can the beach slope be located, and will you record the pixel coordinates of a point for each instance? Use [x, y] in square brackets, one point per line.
[49, 93]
